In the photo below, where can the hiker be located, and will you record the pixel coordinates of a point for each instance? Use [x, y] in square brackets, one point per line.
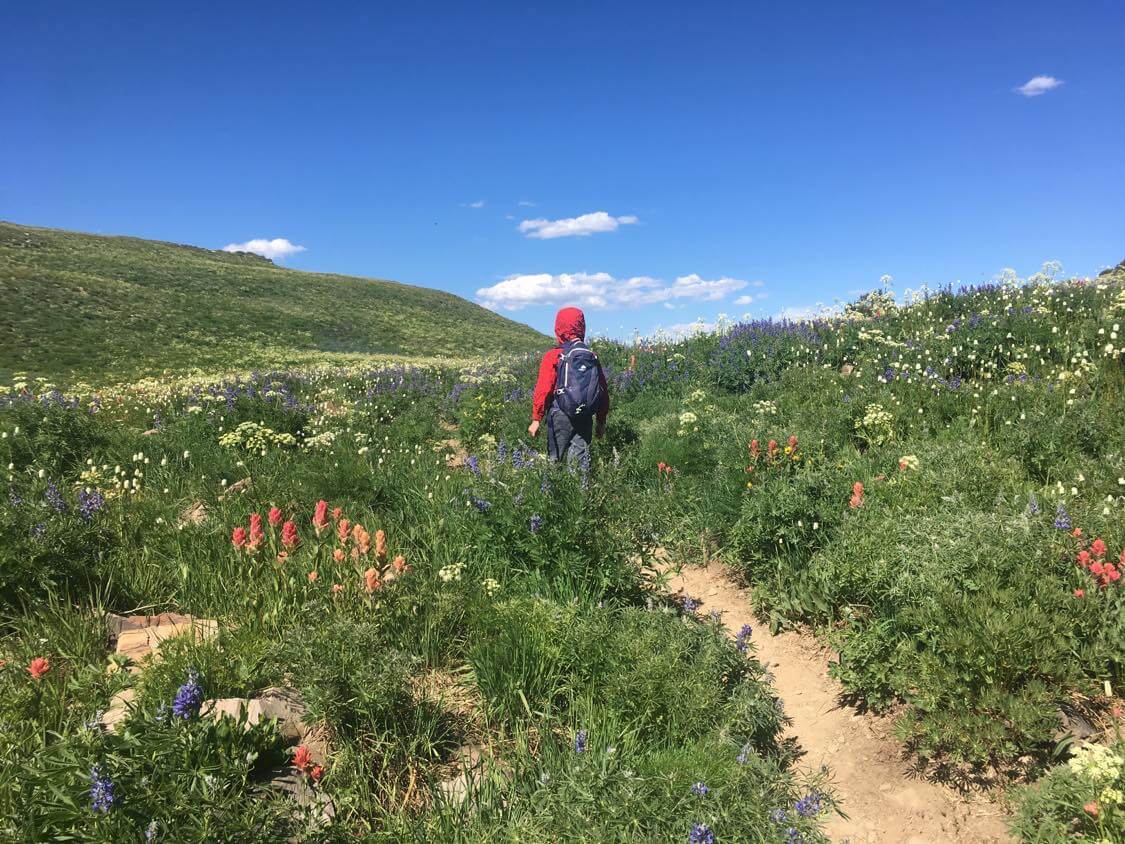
[571, 392]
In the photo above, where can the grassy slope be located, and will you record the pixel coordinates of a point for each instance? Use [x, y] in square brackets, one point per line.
[86, 306]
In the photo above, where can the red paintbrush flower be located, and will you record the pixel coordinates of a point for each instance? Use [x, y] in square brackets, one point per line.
[320, 517]
[289, 535]
[38, 667]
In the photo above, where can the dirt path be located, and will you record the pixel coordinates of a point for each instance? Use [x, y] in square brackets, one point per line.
[885, 801]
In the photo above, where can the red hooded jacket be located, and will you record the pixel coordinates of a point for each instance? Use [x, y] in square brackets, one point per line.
[570, 324]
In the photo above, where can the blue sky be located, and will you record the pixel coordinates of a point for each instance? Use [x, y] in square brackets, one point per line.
[720, 157]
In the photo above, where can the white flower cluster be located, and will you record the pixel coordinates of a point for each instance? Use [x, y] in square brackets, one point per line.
[876, 425]
[451, 573]
[321, 440]
[254, 436]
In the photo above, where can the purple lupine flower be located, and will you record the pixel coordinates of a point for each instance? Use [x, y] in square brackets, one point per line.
[700, 789]
[793, 835]
[810, 805]
[1032, 506]
[778, 816]
[701, 834]
[189, 697]
[39, 531]
[689, 605]
[742, 640]
[472, 463]
[535, 523]
[13, 497]
[482, 504]
[580, 742]
[55, 499]
[101, 790]
[1062, 518]
[89, 503]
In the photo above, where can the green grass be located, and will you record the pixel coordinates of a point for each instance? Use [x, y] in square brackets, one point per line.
[86, 307]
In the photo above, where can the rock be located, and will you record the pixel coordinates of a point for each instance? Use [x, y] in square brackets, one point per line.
[196, 515]
[237, 486]
[287, 706]
[118, 711]
[138, 637]
[457, 788]
[1073, 724]
[233, 707]
[298, 787]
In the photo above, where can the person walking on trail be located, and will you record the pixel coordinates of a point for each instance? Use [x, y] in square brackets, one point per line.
[571, 392]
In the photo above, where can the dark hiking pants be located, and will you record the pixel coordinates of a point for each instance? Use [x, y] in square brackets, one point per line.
[568, 439]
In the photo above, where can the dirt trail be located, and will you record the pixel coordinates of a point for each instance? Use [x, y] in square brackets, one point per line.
[886, 802]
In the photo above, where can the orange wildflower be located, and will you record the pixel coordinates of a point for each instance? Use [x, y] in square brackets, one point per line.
[338, 555]
[857, 495]
[380, 546]
[313, 576]
[38, 667]
[302, 758]
[362, 539]
[371, 580]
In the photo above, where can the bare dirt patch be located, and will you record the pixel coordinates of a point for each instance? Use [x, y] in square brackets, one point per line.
[884, 797]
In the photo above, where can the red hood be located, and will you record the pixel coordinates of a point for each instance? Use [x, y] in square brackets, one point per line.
[570, 324]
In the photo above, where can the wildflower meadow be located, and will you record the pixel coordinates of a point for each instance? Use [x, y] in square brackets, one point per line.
[479, 645]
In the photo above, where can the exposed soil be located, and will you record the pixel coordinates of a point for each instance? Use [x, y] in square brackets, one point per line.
[884, 797]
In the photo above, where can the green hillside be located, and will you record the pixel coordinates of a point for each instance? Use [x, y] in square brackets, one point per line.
[81, 306]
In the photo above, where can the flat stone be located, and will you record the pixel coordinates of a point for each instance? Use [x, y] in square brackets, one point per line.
[196, 515]
[232, 707]
[119, 706]
[457, 788]
[139, 636]
[287, 706]
[237, 486]
[298, 787]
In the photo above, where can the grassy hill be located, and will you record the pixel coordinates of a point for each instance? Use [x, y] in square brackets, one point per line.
[81, 306]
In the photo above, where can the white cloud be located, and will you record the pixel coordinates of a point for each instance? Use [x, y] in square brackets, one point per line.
[279, 247]
[478, 204]
[688, 329]
[1039, 85]
[525, 203]
[601, 290]
[744, 300]
[797, 314]
[587, 224]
